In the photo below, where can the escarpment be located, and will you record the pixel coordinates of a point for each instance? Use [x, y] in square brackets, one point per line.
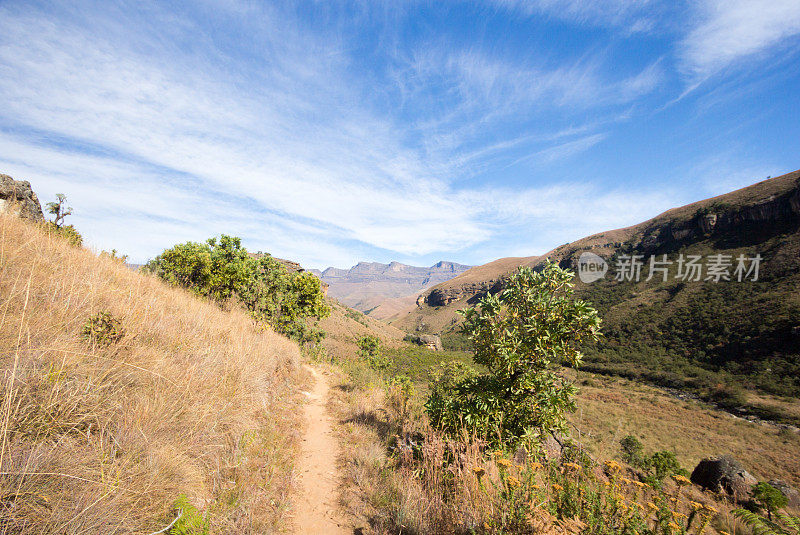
[768, 207]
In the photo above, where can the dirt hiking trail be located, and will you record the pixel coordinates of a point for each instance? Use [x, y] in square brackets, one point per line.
[316, 510]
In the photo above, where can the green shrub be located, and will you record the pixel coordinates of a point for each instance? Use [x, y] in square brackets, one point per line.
[632, 451]
[191, 521]
[520, 335]
[60, 211]
[66, 232]
[661, 465]
[102, 329]
[355, 315]
[221, 269]
[370, 351]
[769, 498]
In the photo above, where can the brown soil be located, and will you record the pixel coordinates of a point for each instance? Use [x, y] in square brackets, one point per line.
[316, 511]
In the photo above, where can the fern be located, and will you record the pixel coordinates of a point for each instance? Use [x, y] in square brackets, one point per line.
[792, 521]
[762, 526]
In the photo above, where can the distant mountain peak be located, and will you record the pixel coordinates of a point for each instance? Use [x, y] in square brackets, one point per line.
[367, 284]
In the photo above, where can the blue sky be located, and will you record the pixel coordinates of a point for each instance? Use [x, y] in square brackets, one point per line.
[333, 132]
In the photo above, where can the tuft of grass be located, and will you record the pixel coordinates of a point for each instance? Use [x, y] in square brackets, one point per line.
[102, 438]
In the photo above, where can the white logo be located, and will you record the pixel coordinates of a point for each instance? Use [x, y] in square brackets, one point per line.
[591, 267]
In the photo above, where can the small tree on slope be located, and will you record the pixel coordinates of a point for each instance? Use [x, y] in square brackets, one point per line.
[520, 335]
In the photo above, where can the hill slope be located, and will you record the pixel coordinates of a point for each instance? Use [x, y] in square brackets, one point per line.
[683, 333]
[105, 438]
[367, 284]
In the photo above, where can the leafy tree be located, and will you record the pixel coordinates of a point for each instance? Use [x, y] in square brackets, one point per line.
[520, 335]
[769, 497]
[59, 209]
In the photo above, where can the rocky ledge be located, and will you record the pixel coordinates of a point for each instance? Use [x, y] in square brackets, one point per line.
[17, 196]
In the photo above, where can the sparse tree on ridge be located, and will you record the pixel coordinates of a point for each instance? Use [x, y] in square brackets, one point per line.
[59, 209]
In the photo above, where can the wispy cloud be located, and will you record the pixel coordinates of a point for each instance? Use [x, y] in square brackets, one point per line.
[635, 15]
[313, 138]
[731, 30]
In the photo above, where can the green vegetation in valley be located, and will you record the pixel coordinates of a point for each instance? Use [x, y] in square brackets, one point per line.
[221, 269]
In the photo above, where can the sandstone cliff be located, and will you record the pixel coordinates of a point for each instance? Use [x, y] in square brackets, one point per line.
[368, 284]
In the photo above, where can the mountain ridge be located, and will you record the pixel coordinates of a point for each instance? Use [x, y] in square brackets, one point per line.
[713, 338]
[366, 285]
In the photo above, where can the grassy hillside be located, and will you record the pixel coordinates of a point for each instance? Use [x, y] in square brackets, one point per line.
[384, 487]
[705, 336]
[189, 408]
[346, 325]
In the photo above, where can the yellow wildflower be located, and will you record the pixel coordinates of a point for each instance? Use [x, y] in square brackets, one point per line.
[505, 463]
[613, 465]
[710, 509]
[479, 471]
[513, 482]
[536, 466]
[557, 487]
[575, 466]
[673, 525]
[676, 514]
[681, 480]
[696, 505]
[652, 506]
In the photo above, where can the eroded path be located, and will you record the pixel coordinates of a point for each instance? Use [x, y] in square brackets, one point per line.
[316, 508]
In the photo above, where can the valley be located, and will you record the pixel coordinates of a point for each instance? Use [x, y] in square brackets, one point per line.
[679, 370]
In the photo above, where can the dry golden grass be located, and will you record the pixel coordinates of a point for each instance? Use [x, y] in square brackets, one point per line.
[342, 332]
[448, 486]
[104, 439]
[610, 409]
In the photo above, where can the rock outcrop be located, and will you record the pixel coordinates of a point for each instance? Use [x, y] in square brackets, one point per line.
[724, 475]
[791, 493]
[431, 341]
[439, 297]
[18, 196]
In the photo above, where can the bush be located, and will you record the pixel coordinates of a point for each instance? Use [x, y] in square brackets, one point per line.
[632, 451]
[443, 405]
[221, 269]
[102, 329]
[66, 232]
[769, 498]
[370, 350]
[520, 335]
[661, 465]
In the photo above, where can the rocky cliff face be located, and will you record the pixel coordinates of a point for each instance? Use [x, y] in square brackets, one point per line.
[18, 196]
[439, 297]
[367, 284]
